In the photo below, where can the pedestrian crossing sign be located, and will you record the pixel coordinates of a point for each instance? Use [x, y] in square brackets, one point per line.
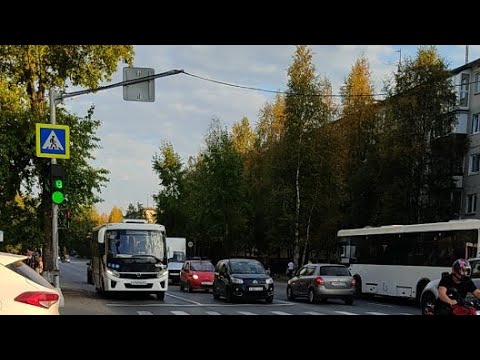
[53, 141]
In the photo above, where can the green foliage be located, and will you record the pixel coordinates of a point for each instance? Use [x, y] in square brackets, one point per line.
[133, 212]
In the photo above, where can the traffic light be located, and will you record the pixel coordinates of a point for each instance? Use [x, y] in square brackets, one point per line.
[58, 194]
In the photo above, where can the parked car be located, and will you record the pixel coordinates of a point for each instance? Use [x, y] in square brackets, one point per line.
[319, 282]
[237, 279]
[23, 291]
[430, 292]
[197, 274]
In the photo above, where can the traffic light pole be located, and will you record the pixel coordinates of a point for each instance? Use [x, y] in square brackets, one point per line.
[56, 272]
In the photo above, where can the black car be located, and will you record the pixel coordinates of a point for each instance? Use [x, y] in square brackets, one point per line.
[239, 279]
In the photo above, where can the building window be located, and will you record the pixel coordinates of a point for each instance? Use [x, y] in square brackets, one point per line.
[476, 83]
[475, 124]
[471, 204]
[474, 163]
[464, 87]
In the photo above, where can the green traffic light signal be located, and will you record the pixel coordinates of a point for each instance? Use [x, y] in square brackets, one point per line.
[58, 184]
[57, 197]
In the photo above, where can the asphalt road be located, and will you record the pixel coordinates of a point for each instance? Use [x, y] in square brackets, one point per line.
[81, 299]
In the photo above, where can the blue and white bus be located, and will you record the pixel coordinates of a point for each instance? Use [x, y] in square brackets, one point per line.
[130, 256]
[399, 260]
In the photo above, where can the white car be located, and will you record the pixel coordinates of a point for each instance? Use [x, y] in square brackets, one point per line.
[23, 291]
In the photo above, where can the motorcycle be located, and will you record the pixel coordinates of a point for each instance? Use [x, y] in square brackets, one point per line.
[462, 307]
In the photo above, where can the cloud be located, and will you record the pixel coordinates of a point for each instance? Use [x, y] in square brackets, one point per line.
[184, 106]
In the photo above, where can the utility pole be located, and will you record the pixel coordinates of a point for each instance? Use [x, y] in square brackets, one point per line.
[466, 54]
[56, 275]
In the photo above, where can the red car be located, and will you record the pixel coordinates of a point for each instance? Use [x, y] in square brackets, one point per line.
[197, 274]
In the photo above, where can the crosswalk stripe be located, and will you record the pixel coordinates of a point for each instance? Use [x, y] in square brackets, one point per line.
[280, 313]
[213, 313]
[313, 313]
[176, 312]
[246, 313]
[345, 313]
[374, 313]
[144, 313]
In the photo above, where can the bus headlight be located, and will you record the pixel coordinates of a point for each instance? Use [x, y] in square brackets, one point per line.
[114, 273]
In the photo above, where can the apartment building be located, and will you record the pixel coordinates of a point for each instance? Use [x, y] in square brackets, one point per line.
[467, 81]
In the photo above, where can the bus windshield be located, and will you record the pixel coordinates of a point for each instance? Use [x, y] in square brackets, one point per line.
[130, 243]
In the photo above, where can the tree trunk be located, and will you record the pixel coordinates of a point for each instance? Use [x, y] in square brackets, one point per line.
[296, 251]
[307, 235]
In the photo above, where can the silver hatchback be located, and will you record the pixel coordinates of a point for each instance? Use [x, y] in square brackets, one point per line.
[319, 282]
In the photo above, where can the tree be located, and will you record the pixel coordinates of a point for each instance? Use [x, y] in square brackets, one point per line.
[418, 163]
[116, 215]
[135, 212]
[170, 199]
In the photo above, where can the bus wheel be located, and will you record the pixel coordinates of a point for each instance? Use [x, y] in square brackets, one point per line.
[421, 285]
[161, 295]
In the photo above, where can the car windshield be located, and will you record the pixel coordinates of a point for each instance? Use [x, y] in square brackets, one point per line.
[246, 267]
[202, 266]
[128, 243]
[334, 271]
[26, 271]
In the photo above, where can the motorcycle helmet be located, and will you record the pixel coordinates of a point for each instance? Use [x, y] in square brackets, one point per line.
[462, 269]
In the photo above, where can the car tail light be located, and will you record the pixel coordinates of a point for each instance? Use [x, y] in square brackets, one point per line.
[319, 281]
[38, 298]
[354, 282]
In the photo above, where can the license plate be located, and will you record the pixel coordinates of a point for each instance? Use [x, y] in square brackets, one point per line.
[207, 283]
[256, 288]
[139, 282]
[338, 283]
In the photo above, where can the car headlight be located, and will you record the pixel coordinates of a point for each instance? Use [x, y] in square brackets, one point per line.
[195, 277]
[113, 272]
[236, 280]
[269, 281]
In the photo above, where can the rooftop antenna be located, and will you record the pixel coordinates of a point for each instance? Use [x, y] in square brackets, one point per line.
[466, 54]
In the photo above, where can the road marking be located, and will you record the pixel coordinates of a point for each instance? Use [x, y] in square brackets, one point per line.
[179, 312]
[283, 302]
[184, 299]
[345, 313]
[246, 313]
[195, 304]
[405, 314]
[379, 304]
[144, 313]
[213, 313]
[313, 313]
[374, 313]
[280, 313]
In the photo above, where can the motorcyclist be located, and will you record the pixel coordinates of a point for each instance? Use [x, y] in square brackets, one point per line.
[459, 280]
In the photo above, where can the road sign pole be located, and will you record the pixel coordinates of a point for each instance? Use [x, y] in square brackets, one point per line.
[56, 277]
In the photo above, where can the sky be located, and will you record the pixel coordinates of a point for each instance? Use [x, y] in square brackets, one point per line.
[131, 132]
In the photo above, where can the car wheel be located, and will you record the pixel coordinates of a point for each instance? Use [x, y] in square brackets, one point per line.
[349, 300]
[161, 295]
[428, 302]
[269, 299]
[311, 296]
[290, 295]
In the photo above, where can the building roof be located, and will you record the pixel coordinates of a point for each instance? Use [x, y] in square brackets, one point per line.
[469, 65]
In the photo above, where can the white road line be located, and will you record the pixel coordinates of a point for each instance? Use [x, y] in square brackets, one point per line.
[184, 299]
[179, 313]
[212, 313]
[380, 304]
[246, 313]
[345, 313]
[313, 313]
[280, 313]
[404, 314]
[144, 313]
[374, 313]
[195, 304]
